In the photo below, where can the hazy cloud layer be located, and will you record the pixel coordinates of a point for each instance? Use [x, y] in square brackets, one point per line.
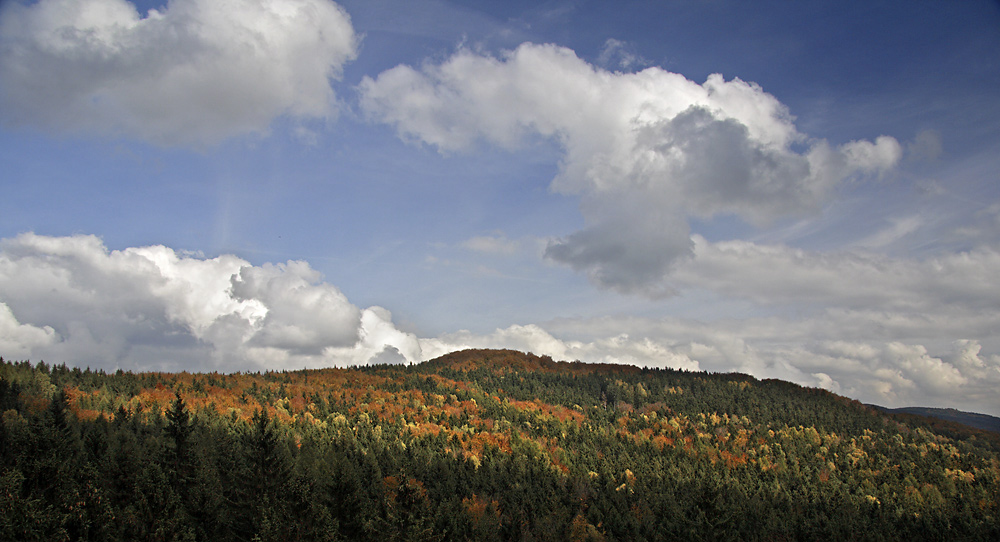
[857, 279]
[894, 332]
[885, 330]
[619, 348]
[193, 74]
[69, 299]
[644, 151]
[891, 373]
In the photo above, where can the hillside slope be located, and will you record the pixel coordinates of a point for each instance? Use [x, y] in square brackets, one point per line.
[983, 422]
[475, 445]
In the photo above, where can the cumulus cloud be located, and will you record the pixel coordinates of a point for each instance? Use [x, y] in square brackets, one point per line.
[862, 280]
[900, 374]
[917, 333]
[885, 330]
[70, 299]
[18, 340]
[644, 151]
[619, 54]
[887, 372]
[616, 349]
[628, 245]
[890, 373]
[890, 331]
[195, 73]
[303, 315]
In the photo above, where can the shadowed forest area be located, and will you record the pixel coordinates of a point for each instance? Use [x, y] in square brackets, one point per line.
[476, 445]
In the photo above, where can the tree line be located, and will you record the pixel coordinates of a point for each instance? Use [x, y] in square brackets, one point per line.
[477, 445]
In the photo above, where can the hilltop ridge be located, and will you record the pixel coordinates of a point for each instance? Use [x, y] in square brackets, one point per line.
[515, 360]
[971, 419]
[475, 445]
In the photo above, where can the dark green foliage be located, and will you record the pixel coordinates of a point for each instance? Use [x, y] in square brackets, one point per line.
[483, 445]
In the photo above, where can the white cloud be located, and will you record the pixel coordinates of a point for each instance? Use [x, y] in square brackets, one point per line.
[778, 274]
[890, 373]
[897, 374]
[898, 229]
[629, 244]
[195, 73]
[528, 338]
[379, 335]
[824, 381]
[877, 157]
[619, 54]
[70, 299]
[909, 337]
[303, 314]
[884, 330]
[644, 151]
[18, 340]
[492, 244]
[887, 372]
[617, 349]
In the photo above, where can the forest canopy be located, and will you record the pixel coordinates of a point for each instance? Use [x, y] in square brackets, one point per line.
[476, 445]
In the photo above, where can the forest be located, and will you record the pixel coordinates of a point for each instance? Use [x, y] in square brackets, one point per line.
[476, 445]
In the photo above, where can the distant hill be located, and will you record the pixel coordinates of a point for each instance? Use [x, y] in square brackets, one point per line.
[505, 361]
[972, 419]
[950, 422]
[484, 445]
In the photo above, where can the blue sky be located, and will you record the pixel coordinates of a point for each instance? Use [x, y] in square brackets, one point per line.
[244, 184]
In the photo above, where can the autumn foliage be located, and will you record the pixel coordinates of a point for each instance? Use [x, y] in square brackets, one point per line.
[475, 445]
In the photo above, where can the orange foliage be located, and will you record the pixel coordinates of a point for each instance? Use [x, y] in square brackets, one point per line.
[661, 442]
[731, 460]
[479, 508]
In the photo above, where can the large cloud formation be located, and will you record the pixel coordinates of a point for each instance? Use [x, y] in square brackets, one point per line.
[70, 299]
[644, 151]
[195, 73]
[851, 279]
[891, 331]
[875, 370]
[918, 332]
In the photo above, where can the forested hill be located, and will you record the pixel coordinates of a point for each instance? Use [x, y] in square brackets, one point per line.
[475, 445]
[969, 419]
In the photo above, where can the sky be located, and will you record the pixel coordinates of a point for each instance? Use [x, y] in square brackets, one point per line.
[797, 190]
